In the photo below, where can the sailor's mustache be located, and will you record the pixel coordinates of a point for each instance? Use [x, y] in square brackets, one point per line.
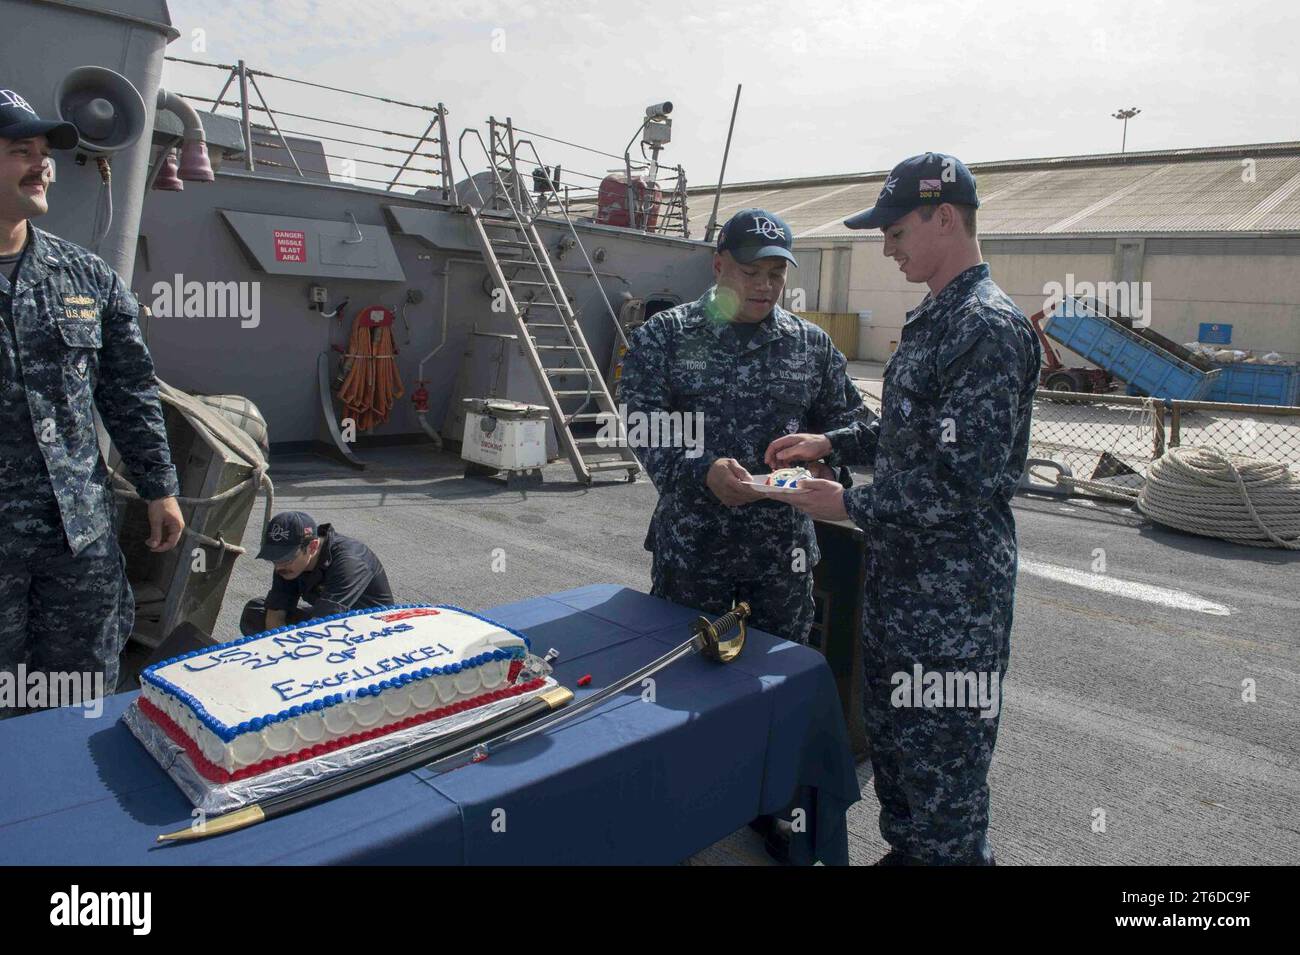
[45, 176]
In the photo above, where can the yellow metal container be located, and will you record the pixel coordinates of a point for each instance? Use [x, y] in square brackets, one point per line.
[841, 326]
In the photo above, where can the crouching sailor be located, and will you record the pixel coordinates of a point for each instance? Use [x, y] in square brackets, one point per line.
[318, 572]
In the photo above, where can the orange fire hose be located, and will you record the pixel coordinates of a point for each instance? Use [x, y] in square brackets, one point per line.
[372, 382]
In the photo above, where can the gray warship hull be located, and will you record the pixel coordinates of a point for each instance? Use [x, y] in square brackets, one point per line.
[212, 234]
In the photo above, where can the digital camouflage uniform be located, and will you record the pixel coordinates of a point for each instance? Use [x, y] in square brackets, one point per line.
[69, 345]
[948, 452]
[788, 378]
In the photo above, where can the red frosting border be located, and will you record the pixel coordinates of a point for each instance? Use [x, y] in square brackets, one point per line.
[219, 774]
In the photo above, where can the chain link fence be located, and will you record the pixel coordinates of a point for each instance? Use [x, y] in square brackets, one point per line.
[1114, 437]
[1097, 439]
[1257, 431]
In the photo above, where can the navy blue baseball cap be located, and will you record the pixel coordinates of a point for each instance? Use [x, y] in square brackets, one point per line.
[19, 121]
[756, 234]
[285, 534]
[925, 180]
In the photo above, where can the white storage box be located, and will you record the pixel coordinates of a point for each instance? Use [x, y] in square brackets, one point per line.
[502, 434]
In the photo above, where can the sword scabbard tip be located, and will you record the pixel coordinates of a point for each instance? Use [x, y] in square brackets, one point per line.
[231, 821]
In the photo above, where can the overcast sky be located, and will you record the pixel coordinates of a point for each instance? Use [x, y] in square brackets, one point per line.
[829, 87]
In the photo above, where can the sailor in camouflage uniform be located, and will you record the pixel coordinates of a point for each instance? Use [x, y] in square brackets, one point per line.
[948, 452]
[69, 345]
[754, 372]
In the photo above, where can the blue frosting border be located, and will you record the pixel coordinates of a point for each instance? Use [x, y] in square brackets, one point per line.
[228, 733]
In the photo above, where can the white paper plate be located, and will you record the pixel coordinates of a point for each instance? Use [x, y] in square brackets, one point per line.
[775, 491]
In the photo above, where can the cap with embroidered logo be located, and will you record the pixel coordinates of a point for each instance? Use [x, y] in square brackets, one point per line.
[753, 234]
[925, 180]
[19, 121]
[285, 533]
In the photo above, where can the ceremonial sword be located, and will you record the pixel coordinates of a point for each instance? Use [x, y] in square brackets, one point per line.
[477, 742]
[706, 638]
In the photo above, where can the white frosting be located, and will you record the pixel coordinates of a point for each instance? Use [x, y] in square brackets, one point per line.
[788, 477]
[261, 678]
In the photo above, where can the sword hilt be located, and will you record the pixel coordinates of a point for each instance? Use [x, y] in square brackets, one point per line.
[711, 632]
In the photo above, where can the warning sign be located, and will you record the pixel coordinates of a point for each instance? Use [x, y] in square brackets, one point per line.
[290, 245]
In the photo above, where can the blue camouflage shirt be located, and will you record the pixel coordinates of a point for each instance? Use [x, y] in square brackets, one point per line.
[948, 452]
[70, 345]
[789, 377]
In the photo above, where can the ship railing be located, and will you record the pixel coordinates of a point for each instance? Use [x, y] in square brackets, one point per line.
[401, 152]
[508, 193]
[619, 335]
[658, 207]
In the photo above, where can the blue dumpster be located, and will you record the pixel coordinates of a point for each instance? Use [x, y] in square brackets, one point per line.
[1144, 365]
[1257, 384]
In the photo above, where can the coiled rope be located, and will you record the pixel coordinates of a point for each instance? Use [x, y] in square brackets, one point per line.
[1205, 491]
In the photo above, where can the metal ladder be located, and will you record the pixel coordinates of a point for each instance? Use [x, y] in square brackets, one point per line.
[548, 329]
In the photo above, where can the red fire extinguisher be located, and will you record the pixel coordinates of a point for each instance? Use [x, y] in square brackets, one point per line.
[420, 398]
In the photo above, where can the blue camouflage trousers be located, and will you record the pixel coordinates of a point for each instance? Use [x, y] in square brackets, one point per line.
[930, 762]
[64, 613]
[781, 601]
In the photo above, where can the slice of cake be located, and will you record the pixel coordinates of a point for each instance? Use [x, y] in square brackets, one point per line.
[788, 477]
[261, 702]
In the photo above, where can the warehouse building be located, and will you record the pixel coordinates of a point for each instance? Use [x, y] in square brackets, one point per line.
[1205, 242]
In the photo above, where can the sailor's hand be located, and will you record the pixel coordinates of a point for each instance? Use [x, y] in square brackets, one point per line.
[820, 500]
[791, 449]
[165, 524]
[726, 480]
[823, 471]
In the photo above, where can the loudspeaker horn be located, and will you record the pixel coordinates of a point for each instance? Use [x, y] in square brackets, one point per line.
[106, 108]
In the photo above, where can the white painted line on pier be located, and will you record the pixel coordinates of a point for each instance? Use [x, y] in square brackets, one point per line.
[1106, 584]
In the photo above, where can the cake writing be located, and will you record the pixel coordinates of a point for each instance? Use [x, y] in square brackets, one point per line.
[291, 689]
[301, 644]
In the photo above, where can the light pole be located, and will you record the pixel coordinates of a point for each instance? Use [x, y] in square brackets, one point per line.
[1126, 115]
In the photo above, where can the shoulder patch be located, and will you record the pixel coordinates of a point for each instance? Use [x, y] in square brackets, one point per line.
[975, 323]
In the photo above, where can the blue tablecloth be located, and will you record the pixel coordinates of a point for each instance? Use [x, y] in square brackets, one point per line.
[632, 782]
